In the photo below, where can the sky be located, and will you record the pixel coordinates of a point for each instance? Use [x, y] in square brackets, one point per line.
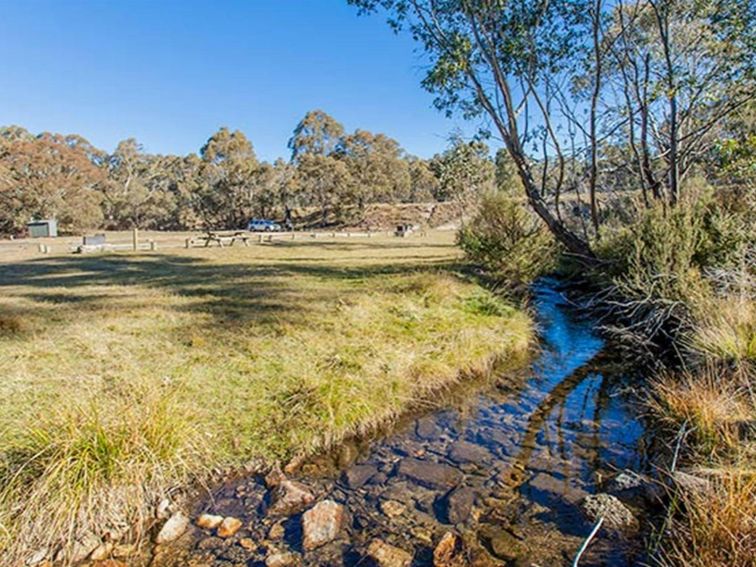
[171, 72]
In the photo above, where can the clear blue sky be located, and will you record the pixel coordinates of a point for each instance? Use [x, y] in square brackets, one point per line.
[170, 72]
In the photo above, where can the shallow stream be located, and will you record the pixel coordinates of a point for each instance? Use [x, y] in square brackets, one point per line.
[505, 468]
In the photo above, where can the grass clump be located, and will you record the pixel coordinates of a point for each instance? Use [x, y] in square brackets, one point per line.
[154, 370]
[715, 527]
[712, 412]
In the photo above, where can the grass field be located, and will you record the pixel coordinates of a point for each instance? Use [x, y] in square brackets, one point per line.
[126, 375]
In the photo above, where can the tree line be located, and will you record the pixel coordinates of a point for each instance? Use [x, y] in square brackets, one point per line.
[331, 174]
[592, 95]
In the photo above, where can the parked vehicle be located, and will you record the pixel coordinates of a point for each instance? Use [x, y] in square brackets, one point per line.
[263, 225]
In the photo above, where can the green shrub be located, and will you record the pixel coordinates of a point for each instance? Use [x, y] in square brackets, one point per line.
[508, 241]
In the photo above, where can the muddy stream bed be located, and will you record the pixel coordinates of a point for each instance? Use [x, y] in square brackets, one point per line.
[506, 470]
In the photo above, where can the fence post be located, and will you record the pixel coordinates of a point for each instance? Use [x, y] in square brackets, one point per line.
[153, 245]
[188, 243]
[135, 239]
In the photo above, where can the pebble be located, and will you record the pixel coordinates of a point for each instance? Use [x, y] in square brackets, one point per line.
[209, 521]
[229, 526]
[386, 555]
[289, 498]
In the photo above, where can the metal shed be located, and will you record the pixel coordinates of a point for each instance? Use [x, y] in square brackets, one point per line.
[42, 228]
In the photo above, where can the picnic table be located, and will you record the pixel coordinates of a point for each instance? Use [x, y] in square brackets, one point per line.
[219, 236]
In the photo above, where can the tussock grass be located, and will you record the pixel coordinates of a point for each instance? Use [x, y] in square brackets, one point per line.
[141, 373]
[726, 330]
[711, 405]
[714, 526]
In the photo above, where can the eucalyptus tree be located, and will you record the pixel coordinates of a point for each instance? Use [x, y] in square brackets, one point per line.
[424, 185]
[230, 180]
[317, 133]
[465, 171]
[377, 167]
[560, 81]
[137, 192]
[48, 177]
[325, 182]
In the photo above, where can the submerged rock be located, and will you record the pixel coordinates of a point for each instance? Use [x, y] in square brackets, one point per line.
[466, 452]
[322, 524]
[458, 505]
[283, 559]
[430, 474]
[229, 526]
[356, 476]
[392, 508]
[386, 555]
[209, 521]
[449, 552]
[173, 529]
[289, 498]
[557, 488]
[276, 532]
[616, 515]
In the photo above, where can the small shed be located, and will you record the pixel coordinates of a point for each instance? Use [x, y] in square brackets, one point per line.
[403, 229]
[42, 228]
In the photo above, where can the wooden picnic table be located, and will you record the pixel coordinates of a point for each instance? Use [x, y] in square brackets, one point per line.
[219, 236]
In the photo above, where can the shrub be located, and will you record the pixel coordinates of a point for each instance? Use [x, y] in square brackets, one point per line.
[508, 241]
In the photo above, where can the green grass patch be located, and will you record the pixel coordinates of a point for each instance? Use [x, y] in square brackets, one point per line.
[126, 375]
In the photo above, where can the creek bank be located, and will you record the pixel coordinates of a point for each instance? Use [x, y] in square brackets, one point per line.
[497, 476]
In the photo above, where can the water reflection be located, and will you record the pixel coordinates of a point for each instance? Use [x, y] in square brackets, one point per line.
[505, 469]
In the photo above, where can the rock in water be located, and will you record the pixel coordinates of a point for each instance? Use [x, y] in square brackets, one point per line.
[386, 555]
[229, 526]
[449, 552]
[209, 521]
[466, 452]
[616, 515]
[173, 528]
[430, 474]
[459, 505]
[274, 477]
[283, 560]
[322, 524]
[289, 498]
[355, 477]
[392, 508]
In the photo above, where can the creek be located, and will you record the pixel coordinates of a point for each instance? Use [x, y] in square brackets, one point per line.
[506, 467]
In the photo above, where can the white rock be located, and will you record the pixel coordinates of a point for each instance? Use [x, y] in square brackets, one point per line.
[173, 528]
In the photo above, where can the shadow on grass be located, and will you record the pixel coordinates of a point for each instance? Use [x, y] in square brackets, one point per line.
[261, 292]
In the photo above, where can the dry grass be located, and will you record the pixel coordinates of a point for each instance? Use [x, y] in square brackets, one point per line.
[711, 404]
[727, 330]
[714, 526]
[136, 373]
